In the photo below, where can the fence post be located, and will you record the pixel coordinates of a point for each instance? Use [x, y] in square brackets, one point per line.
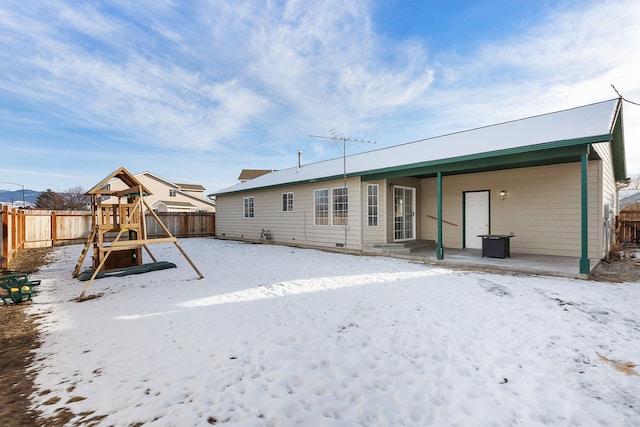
[20, 232]
[2, 245]
[54, 227]
[6, 243]
[15, 238]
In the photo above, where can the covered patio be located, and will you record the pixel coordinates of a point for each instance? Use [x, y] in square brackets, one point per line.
[517, 263]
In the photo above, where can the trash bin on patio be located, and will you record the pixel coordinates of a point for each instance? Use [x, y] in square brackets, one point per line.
[496, 245]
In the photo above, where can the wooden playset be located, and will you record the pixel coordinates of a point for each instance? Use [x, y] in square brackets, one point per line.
[121, 212]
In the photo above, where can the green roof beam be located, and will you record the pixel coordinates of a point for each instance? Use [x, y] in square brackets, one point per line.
[481, 164]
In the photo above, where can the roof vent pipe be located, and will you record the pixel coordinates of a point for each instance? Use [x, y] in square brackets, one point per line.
[299, 160]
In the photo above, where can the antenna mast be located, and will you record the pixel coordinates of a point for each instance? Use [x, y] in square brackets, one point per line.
[337, 138]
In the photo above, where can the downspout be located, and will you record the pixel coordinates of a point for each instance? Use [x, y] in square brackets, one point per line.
[440, 248]
[584, 259]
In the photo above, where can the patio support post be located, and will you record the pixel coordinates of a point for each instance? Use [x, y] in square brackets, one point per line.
[440, 248]
[584, 259]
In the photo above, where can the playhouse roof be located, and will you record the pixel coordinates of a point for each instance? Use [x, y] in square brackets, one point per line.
[544, 139]
[123, 175]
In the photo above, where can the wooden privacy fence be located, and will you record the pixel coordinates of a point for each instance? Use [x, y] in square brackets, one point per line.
[12, 233]
[628, 227]
[182, 224]
[33, 228]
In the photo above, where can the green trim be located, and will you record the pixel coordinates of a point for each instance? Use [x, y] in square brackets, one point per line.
[584, 214]
[482, 162]
[440, 248]
[617, 147]
[562, 151]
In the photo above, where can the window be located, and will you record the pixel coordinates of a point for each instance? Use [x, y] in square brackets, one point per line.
[287, 202]
[173, 192]
[321, 207]
[372, 205]
[340, 201]
[249, 207]
[107, 187]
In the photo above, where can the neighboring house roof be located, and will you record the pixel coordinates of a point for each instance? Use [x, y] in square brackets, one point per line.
[183, 189]
[190, 187]
[160, 179]
[249, 174]
[174, 204]
[189, 191]
[543, 139]
[628, 198]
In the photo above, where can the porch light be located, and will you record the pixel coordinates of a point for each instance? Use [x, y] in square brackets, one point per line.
[503, 194]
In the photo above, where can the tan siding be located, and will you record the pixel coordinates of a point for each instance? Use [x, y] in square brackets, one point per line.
[542, 208]
[297, 227]
[609, 193]
[375, 234]
[609, 188]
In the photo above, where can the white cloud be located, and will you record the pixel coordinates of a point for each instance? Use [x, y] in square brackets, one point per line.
[153, 100]
[312, 61]
[250, 80]
[569, 59]
[324, 62]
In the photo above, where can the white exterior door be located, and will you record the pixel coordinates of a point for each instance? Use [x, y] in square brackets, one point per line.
[404, 213]
[476, 218]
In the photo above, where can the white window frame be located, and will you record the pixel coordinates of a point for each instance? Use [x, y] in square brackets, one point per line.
[249, 207]
[315, 207]
[173, 192]
[373, 205]
[338, 207]
[287, 202]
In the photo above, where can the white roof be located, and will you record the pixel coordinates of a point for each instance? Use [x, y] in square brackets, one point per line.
[588, 121]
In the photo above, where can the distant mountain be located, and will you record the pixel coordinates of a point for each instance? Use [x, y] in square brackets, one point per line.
[15, 197]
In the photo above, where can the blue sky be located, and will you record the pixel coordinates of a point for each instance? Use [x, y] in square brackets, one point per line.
[195, 91]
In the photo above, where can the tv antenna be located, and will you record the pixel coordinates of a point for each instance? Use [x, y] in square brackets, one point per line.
[338, 139]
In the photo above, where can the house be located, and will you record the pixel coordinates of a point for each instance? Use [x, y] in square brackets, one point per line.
[168, 196]
[550, 181]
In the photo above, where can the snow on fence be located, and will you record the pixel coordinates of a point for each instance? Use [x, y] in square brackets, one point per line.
[34, 228]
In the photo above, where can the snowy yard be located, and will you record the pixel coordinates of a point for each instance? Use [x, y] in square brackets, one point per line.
[277, 336]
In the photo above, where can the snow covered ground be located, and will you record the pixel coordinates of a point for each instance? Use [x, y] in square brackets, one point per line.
[277, 336]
